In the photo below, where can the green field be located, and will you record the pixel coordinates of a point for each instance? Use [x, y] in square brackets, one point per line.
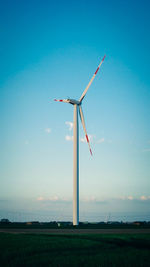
[74, 250]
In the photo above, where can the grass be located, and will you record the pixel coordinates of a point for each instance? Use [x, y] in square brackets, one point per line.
[74, 250]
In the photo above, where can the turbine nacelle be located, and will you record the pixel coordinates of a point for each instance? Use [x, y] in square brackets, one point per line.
[73, 101]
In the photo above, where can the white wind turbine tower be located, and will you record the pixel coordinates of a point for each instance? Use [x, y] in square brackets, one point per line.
[78, 110]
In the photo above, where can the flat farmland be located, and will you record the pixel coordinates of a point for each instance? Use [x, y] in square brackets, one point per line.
[79, 231]
[74, 247]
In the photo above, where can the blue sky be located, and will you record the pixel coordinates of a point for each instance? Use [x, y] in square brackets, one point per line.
[51, 50]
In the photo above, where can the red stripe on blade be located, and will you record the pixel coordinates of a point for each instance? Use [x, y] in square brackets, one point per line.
[87, 138]
[91, 152]
[60, 100]
[96, 71]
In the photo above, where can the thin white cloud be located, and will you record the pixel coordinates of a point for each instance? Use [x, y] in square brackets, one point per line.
[144, 198]
[89, 199]
[92, 199]
[91, 137]
[40, 198]
[48, 130]
[69, 124]
[130, 197]
[83, 139]
[121, 198]
[26, 142]
[125, 198]
[101, 140]
[141, 198]
[54, 198]
[69, 138]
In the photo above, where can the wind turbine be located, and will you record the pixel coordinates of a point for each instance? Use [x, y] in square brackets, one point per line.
[78, 111]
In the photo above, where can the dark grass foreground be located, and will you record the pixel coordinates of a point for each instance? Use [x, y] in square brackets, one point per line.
[74, 250]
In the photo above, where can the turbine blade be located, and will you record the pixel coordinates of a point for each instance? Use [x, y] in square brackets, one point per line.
[86, 89]
[83, 124]
[61, 100]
